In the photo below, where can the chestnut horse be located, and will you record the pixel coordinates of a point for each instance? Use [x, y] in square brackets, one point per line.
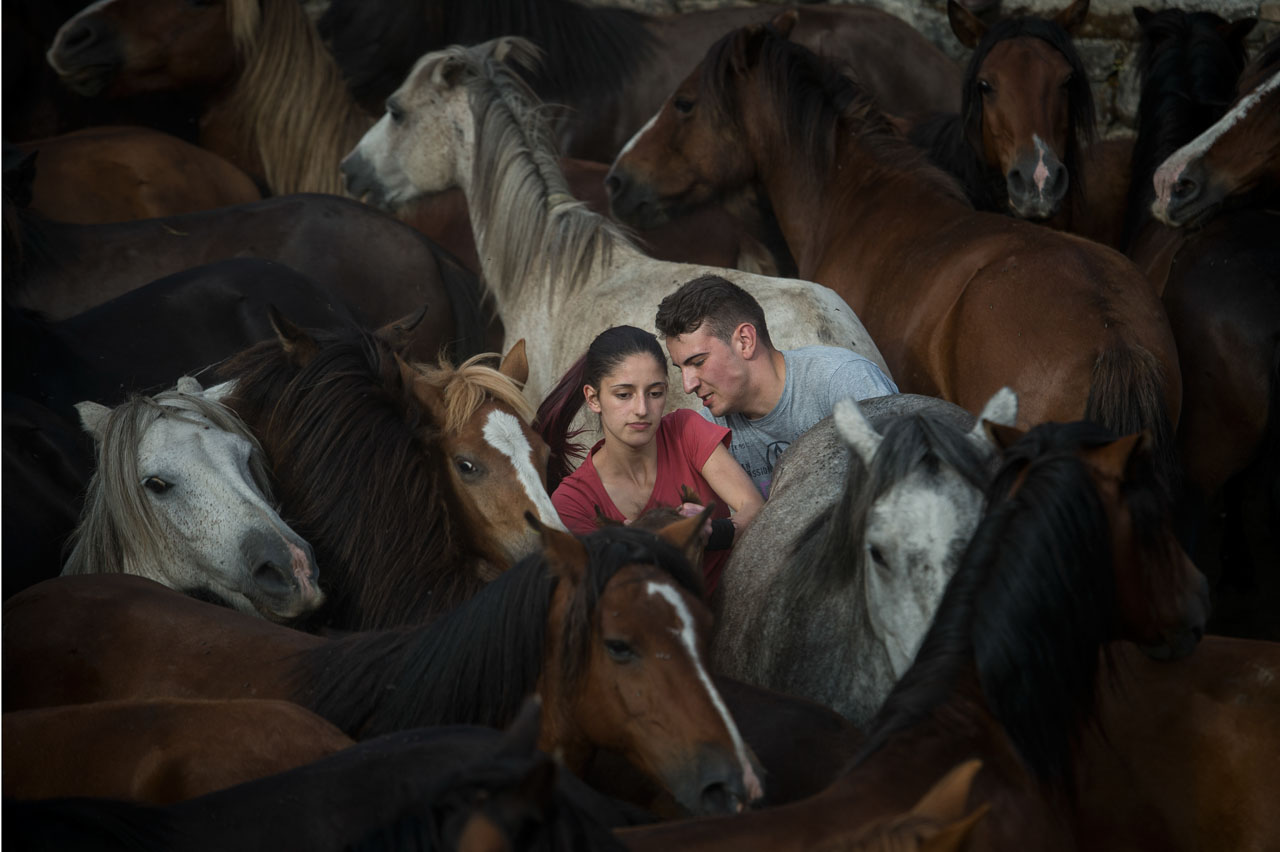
[1076, 549]
[609, 630]
[410, 482]
[114, 174]
[455, 787]
[613, 67]
[961, 303]
[1239, 154]
[158, 750]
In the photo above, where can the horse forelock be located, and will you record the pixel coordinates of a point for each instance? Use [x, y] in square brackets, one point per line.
[518, 187]
[291, 99]
[119, 529]
[467, 387]
[815, 98]
[1031, 605]
[359, 472]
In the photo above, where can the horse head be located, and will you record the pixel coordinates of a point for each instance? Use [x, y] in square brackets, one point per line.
[625, 670]
[181, 496]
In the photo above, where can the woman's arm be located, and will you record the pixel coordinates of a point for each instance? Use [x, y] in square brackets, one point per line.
[732, 485]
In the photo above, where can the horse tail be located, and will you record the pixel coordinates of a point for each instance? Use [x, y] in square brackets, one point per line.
[1128, 395]
[553, 419]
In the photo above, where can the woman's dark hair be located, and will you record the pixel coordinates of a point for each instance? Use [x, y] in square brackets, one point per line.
[610, 348]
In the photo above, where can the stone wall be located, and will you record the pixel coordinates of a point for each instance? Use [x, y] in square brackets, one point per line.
[1107, 42]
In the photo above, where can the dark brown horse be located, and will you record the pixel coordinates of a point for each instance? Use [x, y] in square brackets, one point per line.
[114, 174]
[455, 787]
[961, 303]
[613, 67]
[158, 750]
[609, 630]
[1075, 550]
[412, 482]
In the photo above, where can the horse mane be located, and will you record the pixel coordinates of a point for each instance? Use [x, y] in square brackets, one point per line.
[470, 386]
[831, 554]
[476, 664]
[520, 193]
[817, 103]
[118, 527]
[290, 100]
[359, 476]
[1032, 603]
[589, 50]
[1189, 73]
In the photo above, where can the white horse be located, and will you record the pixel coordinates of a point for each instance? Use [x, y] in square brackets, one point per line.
[831, 589]
[181, 496]
[559, 274]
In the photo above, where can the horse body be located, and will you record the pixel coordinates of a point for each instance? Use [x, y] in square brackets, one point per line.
[159, 750]
[604, 632]
[962, 303]
[559, 274]
[181, 496]
[115, 174]
[832, 587]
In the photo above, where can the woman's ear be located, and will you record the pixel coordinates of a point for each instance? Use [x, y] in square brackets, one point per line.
[593, 398]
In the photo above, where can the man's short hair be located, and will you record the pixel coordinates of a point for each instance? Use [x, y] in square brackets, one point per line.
[713, 300]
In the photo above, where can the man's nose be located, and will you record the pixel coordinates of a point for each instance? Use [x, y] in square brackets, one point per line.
[689, 380]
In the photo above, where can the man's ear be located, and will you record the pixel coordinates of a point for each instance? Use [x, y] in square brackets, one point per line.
[744, 337]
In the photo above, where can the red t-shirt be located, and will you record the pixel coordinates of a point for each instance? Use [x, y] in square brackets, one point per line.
[685, 442]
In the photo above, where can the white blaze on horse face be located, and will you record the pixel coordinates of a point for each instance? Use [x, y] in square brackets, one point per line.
[1040, 176]
[918, 529]
[750, 782]
[631, 143]
[505, 434]
[1170, 171]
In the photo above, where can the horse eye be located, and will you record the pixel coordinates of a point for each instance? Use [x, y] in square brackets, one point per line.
[155, 485]
[985, 87]
[1067, 81]
[878, 557]
[466, 467]
[683, 105]
[397, 114]
[619, 650]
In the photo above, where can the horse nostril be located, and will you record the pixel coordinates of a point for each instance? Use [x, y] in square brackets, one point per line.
[1185, 188]
[719, 799]
[1017, 183]
[613, 184]
[273, 579]
[1058, 187]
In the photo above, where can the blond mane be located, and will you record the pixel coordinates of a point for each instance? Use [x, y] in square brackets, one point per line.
[519, 191]
[291, 102]
[470, 386]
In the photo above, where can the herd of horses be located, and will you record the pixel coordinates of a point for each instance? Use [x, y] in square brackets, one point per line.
[280, 565]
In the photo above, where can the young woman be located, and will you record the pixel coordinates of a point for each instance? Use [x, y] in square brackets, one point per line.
[644, 458]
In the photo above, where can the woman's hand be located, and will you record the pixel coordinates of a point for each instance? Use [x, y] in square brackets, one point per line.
[692, 510]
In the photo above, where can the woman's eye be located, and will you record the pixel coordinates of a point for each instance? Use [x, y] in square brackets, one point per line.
[155, 485]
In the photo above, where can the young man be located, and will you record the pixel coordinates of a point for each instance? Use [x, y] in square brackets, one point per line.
[716, 334]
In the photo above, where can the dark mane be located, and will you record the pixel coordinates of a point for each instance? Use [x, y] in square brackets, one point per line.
[1033, 601]
[955, 141]
[1189, 72]
[830, 553]
[588, 50]
[358, 475]
[817, 102]
[476, 664]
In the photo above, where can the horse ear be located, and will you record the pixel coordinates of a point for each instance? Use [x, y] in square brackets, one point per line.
[299, 346]
[746, 49]
[398, 334]
[785, 21]
[515, 364]
[955, 837]
[966, 25]
[93, 417]
[1236, 31]
[566, 556]
[1072, 16]
[856, 430]
[1113, 459]
[946, 799]
[1003, 436]
[426, 393]
[1000, 410]
[189, 385]
[445, 74]
[686, 534]
[1142, 14]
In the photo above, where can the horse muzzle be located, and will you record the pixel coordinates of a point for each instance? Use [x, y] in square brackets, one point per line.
[283, 577]
[1037, 187]
[633, 202]
[86, 54]
[712, 784]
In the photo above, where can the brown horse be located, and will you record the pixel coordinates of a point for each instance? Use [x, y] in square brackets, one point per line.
[158, 750]
[114, 174]
[1075, 550]
[612, 67]
[609, 630]
[1239, 154]
[412, 483]
[962, 303]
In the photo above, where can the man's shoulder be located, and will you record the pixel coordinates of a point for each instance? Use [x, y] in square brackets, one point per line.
[818, 362]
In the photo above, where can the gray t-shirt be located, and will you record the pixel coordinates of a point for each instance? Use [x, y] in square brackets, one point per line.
[817, 378]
